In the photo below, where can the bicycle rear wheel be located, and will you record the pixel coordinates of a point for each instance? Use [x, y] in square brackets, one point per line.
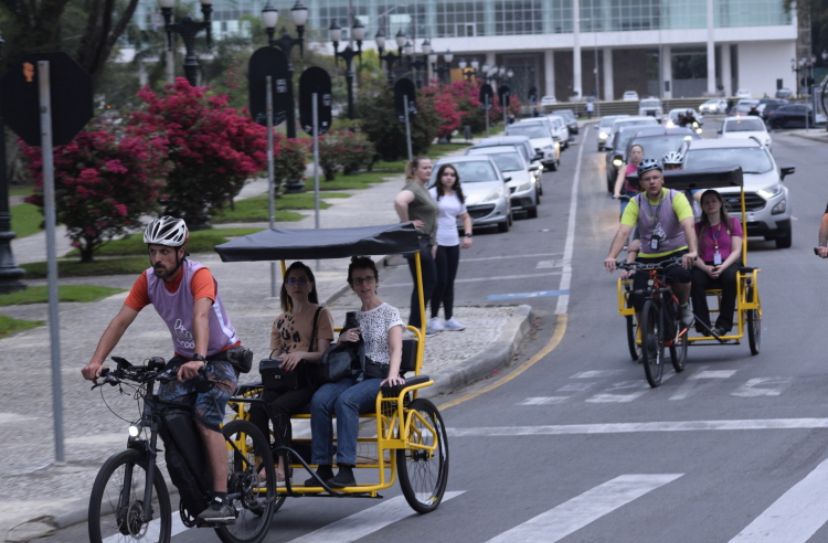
[632, 332]
[652, 343]
[423, 465]
[116, 506]
[251, 483]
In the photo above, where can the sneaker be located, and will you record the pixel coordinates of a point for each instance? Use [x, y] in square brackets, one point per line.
[344, 478]
[687, 317]
[430, 332]
[435, 324]
[721, 331]
[454, 325]
[324, 472]
[218, 512]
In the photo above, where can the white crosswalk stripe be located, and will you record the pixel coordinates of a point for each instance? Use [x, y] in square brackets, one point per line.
[574, 514]
[365, 522]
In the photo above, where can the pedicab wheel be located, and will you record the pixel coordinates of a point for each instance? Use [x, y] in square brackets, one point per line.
[116, 506]
[754, 325]
[423, 466]
[635, 349]
[652, 344]
[251, 495]
[678, 351]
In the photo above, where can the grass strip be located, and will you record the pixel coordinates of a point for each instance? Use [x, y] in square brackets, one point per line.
[9, 326]
[66, 293]
[256, 208]
[25, 220]
[102, 266]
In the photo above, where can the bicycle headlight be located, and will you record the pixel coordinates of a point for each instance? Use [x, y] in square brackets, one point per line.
[134, 431]
[617, 162]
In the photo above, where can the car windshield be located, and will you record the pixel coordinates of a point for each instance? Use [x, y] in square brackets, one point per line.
[493, 149]
[750, 159]
[650, 103]
[533, 131]
[744, 124]
[566, 113]
[507, 162]
[476, 171]
[657, 147]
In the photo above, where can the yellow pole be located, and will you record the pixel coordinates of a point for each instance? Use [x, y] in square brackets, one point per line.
[418, 266]
[744, 228]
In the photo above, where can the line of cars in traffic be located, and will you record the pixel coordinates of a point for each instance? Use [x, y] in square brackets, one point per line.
[742, 141]
[501, 175]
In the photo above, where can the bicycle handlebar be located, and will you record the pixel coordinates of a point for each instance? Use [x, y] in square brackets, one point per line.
[663, 265]
[125, 371]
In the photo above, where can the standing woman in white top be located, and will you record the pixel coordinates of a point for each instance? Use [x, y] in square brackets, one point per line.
[451, 205]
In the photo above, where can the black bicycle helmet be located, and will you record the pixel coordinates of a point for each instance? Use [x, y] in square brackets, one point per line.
[648, 164]
[166, 230]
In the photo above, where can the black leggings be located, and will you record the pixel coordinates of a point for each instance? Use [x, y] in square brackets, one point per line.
[448, 258]
[726, 282]
[277, 407]
[429, 277]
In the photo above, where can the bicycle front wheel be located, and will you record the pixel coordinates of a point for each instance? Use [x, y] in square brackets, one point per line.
[251, 483]
[116, 506]
[678, 350]
[423, 464]
[652, 343]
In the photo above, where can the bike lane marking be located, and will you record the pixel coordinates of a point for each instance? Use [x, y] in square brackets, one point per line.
[365, 522]
[572, 515]
[795, 516]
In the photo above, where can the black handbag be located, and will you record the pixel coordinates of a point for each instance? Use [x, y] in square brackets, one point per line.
[275, 379]
[341, 360]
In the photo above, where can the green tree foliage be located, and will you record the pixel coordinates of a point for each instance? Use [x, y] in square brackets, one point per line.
[383, 128]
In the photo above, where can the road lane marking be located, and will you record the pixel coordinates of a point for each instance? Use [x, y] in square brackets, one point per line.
[594, 374]
[508, 257]
[713, 374]
[574, 514]
[544, 400]
[762, 386]
[795, 516]
[365, 522]
[700, 381]
[569, 245]
[548, 264]
[642, 427]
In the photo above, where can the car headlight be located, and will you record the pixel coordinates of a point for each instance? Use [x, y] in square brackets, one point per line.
[524, 186]
[779, 208]
[769, 192]
[602, 135]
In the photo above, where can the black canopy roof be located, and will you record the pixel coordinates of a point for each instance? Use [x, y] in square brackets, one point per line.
[322, 243]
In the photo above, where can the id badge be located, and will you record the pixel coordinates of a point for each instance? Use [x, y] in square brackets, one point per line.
[654, 243]
[717, 258]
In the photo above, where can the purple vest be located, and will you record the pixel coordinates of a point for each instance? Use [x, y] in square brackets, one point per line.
[176, 310]
[674, 238]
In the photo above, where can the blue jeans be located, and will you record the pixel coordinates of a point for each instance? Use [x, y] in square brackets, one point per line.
[346, 399]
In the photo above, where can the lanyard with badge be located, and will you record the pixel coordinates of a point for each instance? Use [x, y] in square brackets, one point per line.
[717, 256]
[658, 230]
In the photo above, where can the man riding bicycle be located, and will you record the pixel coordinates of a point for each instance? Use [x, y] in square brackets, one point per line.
[666, 228]
[185, 295]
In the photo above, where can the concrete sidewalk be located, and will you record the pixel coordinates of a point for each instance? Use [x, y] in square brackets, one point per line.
[37, 496]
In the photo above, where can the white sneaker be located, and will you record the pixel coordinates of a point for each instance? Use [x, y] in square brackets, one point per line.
[434, 325]
[687, 317]
[454, 325]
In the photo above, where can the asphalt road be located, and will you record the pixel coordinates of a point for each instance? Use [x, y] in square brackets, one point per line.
[578, 447]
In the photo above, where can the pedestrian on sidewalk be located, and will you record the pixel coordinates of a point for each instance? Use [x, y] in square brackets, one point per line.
[448, 192]
[414, 204]
[300, 334]
[185, 294]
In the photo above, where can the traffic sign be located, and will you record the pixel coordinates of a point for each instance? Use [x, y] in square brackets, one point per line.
[405, 87]
[268, 61]
[70, 94]
[315, 80]
[486, 95]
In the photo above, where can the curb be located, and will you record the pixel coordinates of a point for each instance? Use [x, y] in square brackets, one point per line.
[482, 365]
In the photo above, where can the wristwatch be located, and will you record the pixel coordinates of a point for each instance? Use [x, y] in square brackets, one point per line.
[468, 235]
[198, 357]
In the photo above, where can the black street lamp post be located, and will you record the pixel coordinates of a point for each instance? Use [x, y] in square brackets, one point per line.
[188, 29]
[10, 274]
[416, 63]
[440, 68]
[348, 54]
[389, 57]
[299, 15]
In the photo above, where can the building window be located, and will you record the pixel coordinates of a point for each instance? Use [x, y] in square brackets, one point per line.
[459, 19]
[518, 17]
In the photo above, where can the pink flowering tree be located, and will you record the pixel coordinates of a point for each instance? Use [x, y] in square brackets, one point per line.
[212, 147]
[446, 108]
[103, 184]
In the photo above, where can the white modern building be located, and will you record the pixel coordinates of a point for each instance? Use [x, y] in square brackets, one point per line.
[667, 48]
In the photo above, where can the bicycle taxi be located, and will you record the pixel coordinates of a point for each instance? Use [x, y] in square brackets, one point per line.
[409, 438]
[748, 313]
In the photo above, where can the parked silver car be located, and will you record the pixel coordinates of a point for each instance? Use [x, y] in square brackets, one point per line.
[539, 131]
[523, 189]
[485, 188]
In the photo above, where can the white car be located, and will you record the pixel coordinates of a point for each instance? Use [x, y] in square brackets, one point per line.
[605, 127]
[629, 96]
[559, 129]
[714, 106]
[522, 185]
[743, 93]
[651, 106]
[548, 101]
[746, 127]
[539, 132]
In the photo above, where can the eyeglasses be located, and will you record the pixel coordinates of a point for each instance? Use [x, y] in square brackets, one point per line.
[296, 281]
[363, 280]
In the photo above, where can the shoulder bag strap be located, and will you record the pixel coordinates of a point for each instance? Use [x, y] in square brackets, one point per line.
[313, 343]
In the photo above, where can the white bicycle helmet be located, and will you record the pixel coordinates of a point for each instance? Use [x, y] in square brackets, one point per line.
[673, 158]
[166, 230]
[648, 164]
